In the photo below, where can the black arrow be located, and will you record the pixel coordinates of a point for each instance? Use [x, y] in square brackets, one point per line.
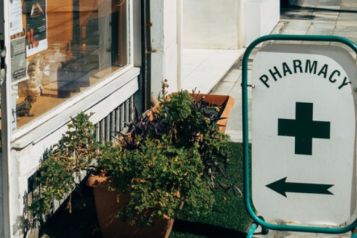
[283, 187]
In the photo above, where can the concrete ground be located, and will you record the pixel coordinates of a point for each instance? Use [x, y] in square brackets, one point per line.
[311, 17]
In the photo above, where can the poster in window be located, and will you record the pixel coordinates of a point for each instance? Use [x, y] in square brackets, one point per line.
[15, 17]
[18, 58]
[18, 42]
[36, 26]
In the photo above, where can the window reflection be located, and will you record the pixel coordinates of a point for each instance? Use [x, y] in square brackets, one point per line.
[70, 45]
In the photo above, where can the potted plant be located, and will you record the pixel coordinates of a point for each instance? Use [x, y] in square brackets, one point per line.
[170, 158]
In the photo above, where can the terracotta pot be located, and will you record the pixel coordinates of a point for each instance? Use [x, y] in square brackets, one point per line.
[220, 100]
[107, 205]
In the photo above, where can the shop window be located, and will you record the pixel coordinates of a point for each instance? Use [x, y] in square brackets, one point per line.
[67, 46]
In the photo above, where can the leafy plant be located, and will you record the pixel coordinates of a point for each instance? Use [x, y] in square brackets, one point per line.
[170, 157]
[68, 160]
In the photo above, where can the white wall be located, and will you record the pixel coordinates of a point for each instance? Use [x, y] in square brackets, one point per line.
[211, 24]
[206, 24]
[227, 24]
[164, 45]
[260, 18]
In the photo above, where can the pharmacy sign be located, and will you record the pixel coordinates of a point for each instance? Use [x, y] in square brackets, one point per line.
[303, 134]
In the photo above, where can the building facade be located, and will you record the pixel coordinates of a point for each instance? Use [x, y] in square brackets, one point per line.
[59, 58]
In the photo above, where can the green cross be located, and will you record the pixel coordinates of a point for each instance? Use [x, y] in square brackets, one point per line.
[303, 128]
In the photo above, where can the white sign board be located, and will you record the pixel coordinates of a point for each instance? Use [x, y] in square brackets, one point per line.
[303, 134]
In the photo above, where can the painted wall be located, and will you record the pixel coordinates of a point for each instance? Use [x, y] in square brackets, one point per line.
[164, 46]
[189, 24]
[260, 18]
[211, 24]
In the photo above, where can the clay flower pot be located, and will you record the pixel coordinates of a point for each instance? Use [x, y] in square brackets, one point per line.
[108, 203]
[224, 101]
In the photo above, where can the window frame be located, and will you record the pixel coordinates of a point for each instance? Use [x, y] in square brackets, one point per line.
[60, 115]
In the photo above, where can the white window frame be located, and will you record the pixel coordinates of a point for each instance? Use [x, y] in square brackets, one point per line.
[60, 115]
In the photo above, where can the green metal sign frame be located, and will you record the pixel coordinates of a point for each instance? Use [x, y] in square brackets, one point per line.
[246, 151]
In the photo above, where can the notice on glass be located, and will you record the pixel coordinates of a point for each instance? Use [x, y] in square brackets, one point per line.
[15, 17]
[36, 26]
[18, 59]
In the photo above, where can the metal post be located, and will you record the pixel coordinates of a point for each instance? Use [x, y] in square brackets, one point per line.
[252, 228]
[5, 206]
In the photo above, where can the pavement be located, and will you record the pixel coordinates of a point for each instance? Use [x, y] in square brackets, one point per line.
[311, 17]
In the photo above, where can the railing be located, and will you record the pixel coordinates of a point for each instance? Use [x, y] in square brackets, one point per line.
[115, 121]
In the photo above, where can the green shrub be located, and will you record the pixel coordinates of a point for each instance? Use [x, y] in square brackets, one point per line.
[171, 156]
